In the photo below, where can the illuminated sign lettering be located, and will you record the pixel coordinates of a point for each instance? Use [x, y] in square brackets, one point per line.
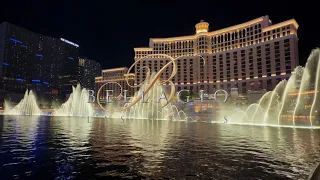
[69, 42]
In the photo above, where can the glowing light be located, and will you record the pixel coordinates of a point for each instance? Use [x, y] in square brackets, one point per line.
[115, 69]
[35, 80]
[5, 64]
[279, 25]
[307, 106]
[16, 41]
[69, 42]
[306, 92]
[142, 49]
[130, 74]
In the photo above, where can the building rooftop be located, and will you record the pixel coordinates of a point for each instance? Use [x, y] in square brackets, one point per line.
[228, 29]
[115, 69]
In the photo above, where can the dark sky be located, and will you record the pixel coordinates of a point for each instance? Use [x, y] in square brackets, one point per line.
[108, 30]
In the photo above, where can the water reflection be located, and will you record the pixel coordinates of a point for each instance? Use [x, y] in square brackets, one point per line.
[151, 137]
[65, 147]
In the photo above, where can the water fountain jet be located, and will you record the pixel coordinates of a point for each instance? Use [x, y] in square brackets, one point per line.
[27, 106]
[292, 98]
[76, 105]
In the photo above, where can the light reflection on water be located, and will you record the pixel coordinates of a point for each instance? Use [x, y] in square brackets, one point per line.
[62, 147]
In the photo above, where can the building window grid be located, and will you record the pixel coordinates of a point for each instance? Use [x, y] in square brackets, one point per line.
[244, 37]
[235, 39]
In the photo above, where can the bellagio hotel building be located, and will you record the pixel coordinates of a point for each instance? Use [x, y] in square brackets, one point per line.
[114, 79]
[254, 55]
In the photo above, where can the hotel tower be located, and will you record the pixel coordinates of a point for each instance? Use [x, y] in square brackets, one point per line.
[254, 55]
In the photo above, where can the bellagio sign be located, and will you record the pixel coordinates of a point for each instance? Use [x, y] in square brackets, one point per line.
[152, 81]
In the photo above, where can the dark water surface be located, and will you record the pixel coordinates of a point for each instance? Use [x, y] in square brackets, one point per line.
[73, 148]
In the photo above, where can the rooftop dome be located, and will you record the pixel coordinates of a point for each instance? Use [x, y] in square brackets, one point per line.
[202, 27]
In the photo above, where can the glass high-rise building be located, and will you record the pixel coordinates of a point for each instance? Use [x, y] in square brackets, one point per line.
[33, 61]
[88, 70]
[254, 55]
[68, 75]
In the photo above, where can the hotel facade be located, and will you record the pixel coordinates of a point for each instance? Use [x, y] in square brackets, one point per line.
[114, 79]
[254, 55]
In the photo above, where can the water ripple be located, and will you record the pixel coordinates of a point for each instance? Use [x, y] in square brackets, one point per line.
[72, 148]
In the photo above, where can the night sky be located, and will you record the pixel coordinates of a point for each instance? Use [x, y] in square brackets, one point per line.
[107, 31]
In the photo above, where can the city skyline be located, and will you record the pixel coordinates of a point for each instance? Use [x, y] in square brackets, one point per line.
[110, 40]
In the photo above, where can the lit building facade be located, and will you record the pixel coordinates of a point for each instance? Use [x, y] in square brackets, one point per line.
[69, 71]
[254, 55]
[88, 70]
[33, 61]
[116, 78]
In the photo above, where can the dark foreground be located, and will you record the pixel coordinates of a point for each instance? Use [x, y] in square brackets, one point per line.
[73, 148]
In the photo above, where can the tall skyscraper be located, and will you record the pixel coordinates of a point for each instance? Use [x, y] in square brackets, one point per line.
[33, 61]
[88, 70]
[69, 75]
[254, 55]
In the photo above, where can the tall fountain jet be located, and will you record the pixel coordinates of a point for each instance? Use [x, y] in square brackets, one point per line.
[27, 106]
[292, 103]
[76, 105]
[152, 105]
